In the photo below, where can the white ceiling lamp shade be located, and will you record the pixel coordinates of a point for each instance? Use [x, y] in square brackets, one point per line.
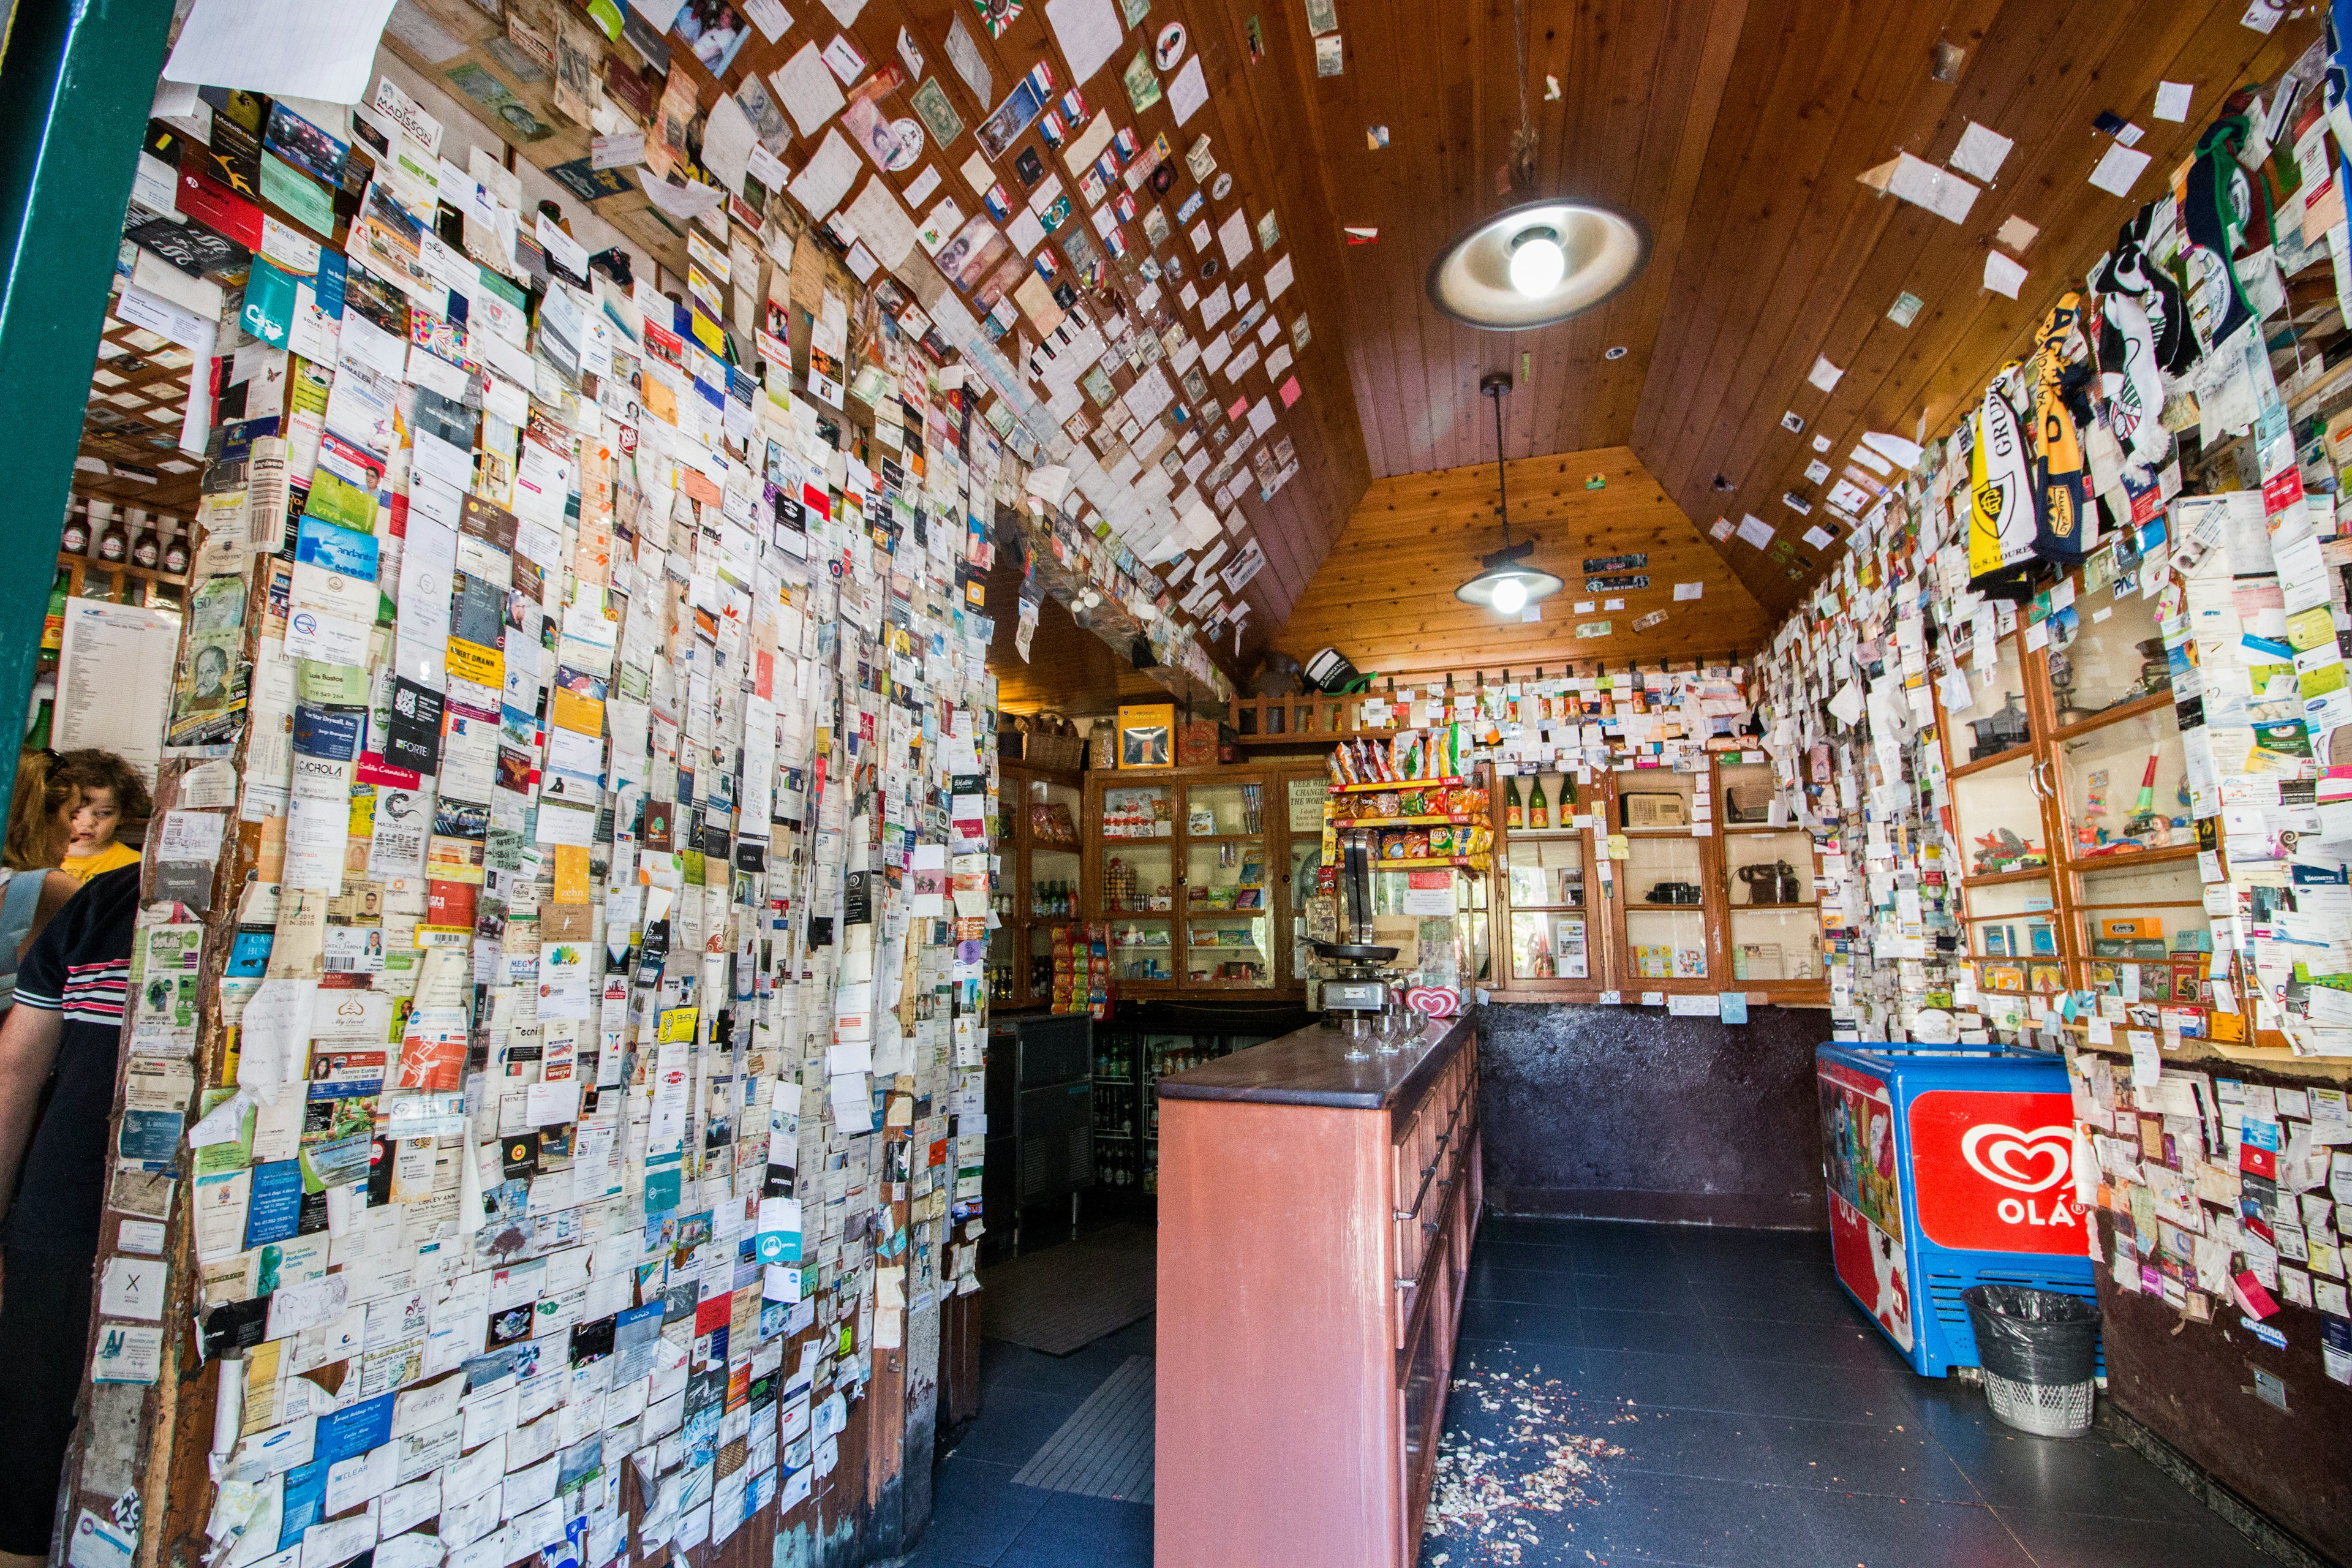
[1506, 583]
[1538, 264]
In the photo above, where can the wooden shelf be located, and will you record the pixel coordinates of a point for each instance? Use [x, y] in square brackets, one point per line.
[91, 563]
[1449, 782]
[1986, 764]
[2002, 878]
[2155, 854]
[2116, 714]
[1456, 820]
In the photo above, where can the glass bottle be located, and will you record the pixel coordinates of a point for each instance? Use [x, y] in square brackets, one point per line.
[114, 544]
[175, 547]
[75, 540]
[146, 549]
[45, 705]
[53, 624]
[1513, 815]
[1539, 809]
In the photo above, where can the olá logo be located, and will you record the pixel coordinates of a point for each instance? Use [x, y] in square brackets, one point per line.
[2007, 1157]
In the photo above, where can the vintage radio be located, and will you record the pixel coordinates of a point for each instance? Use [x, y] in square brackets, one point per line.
[1649, 808]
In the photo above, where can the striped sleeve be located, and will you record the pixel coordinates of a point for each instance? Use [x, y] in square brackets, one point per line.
[95, 992]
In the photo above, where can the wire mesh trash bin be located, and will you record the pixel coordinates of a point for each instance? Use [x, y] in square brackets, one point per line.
[2039, 1352]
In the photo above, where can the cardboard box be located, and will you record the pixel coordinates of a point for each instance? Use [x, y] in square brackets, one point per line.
[1147, 735]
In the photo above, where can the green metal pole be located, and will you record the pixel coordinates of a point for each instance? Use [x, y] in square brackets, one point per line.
[76, 83]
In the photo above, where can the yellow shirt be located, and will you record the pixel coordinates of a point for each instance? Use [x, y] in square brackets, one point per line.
[112, 858]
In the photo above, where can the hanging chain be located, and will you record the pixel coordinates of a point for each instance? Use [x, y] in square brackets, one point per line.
[1523, 140]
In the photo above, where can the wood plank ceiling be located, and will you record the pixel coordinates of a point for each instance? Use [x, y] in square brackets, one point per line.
[1639, 81]
[1737, 129]
[1797, 260]
[1733, 129]
[1385, 598]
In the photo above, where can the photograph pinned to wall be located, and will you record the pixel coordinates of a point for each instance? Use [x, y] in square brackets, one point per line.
[1246, 565]
[1005, 123]
[714, 30]
[512, 114]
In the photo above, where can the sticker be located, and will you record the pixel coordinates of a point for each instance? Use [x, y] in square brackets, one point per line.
[909, 132]
[1171, 48]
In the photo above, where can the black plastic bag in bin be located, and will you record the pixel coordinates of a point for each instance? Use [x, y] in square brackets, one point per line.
[2045, 1338]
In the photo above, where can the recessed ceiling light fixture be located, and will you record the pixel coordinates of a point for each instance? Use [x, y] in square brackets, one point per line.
[1506, 583]
[1538, 264]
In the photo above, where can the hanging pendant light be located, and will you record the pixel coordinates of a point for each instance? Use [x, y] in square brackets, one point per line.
[1538, 264]
[1506, 583]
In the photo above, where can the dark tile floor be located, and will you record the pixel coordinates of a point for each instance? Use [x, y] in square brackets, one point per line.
[1688, 1397]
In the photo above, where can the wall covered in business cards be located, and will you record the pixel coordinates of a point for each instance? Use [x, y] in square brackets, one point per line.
[2071, 719]
[553, 1083]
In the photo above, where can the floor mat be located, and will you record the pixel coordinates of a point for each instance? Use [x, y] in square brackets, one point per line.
[1105, 1449]
[1067, 1296]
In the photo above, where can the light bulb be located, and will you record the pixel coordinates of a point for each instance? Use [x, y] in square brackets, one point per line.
[1510, 595]
[1538, 263]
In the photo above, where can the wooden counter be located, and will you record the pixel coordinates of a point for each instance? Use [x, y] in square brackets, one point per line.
[1316, 1217]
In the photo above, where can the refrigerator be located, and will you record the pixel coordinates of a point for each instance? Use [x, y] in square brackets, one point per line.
[1946, 1167]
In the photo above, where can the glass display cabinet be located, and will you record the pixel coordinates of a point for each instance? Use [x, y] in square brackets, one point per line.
[1996, 720]
[2145, 932]
[1774, 930]
[2013, 937]
[1227, 906]
[1041, 852]
[2103, 652]
[1053, 868]
[1198, 875]
[1137, 891]
[1551, 936]
[2123, 787]
[1663, 882]
[2079, 856]
[1303, 806]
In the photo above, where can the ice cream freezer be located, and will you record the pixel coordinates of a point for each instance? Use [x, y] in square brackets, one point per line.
[1946, 1167]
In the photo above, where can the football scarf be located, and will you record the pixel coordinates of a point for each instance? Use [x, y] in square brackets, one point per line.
[2129, 271]
[2215, 218]
[2129, 382]
[2001, 499]
[2062, 526]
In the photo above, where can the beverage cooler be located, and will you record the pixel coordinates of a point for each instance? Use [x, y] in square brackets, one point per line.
[1948, 1167]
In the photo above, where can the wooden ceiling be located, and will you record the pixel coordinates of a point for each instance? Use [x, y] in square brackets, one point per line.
[1796, 258]
[1385, 597]
[1068, 670]
[1639, 82]
[131, 427]
[1733, 129]
[1737, 129]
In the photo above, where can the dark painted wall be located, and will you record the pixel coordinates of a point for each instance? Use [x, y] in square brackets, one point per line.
[1629, 1114]
[2193, 1385]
